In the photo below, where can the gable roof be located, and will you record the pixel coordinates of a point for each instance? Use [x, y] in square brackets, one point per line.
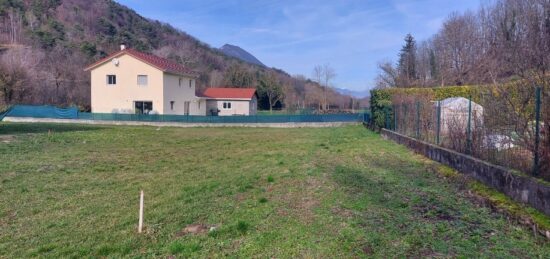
[459, 103]
[228, 93]
[162, 64]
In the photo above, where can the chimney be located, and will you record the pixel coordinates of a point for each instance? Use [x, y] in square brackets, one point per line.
[122, 46]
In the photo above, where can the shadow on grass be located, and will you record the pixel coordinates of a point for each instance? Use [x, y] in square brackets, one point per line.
[24, 128]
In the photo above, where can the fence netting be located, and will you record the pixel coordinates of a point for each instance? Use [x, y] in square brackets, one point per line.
[73, 113]
[506, 125]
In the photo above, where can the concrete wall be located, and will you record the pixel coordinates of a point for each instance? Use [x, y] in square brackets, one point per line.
[519, 187]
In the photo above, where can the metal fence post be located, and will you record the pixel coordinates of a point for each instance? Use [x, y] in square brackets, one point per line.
[404, 125]
[537, 131]
[395, 118]
[387, 118]
[469, 129]
[417, 119]
[438, 130]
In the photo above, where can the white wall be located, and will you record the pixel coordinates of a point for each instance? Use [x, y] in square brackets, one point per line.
[161, 88]
[180, 94]
[120, 98]
[238, 107]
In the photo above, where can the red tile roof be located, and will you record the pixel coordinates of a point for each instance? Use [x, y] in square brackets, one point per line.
[157, 62]
[229, 93]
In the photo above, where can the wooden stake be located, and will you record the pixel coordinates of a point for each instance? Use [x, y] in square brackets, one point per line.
[140, 224]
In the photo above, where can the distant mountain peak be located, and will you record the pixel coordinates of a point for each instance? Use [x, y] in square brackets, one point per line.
[238, 52]
[354, 93]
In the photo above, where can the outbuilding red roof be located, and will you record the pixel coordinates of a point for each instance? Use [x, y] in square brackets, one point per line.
[229, 93]
[162, 64]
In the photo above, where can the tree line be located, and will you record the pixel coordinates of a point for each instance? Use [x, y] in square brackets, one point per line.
[295, 92]
[502, 41]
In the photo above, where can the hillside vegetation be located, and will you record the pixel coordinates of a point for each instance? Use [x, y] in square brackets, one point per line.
[45, 44]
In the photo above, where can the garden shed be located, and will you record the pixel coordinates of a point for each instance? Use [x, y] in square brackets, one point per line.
[454, 114]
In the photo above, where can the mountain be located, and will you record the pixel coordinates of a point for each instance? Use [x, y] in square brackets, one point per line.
[44, 46]
[238, 52]
[356, 94]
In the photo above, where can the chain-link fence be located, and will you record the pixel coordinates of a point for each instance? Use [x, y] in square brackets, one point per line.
[505, 127]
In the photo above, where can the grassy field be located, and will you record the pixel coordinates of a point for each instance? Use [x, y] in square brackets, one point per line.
[318, 193]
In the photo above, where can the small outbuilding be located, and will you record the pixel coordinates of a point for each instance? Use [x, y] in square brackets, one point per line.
[224, 101]
[454, 114]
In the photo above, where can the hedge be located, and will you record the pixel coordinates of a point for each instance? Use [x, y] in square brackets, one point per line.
[381, 99]
[518, 92]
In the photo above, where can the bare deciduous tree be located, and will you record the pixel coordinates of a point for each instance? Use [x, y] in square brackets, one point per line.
[387, 77]
[271, 88]
[503, 40]
[328, 74]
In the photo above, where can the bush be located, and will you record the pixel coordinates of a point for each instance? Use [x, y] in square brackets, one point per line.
[381, 99]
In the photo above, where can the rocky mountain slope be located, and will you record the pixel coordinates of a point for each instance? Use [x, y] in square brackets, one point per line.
[239, 53]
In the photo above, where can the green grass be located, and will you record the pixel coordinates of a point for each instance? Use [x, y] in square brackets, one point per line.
[285, 193]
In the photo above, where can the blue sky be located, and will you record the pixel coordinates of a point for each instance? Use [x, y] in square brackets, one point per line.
[350, 35]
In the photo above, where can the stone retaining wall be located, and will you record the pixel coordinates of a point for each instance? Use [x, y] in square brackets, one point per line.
[519, 187]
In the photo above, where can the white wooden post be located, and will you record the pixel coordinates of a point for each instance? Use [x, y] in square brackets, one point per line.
[140, 224]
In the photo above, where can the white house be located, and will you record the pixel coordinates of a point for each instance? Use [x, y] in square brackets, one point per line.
[224, 101]
[130, 81]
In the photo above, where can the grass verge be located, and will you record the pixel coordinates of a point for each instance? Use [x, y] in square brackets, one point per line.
[73, 191]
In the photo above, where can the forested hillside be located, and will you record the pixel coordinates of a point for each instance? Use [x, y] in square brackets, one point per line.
[45, 44]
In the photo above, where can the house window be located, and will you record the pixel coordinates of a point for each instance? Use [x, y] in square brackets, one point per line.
[172, 105]
[180, 81]
[227, 105]
[199, 104]
[143, 107]
[111, 79]
[142, 80]
[190, 82]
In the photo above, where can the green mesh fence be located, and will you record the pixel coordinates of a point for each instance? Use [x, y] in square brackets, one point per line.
[4, 113]
[504, 126]
[72, 113]
[44, 111]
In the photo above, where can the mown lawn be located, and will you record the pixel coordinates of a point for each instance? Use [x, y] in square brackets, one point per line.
[284, 193]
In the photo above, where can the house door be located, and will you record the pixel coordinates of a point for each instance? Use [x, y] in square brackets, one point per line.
[143, 107]
[186, 108]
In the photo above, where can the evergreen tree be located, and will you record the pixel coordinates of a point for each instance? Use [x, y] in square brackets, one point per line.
[407, 62]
